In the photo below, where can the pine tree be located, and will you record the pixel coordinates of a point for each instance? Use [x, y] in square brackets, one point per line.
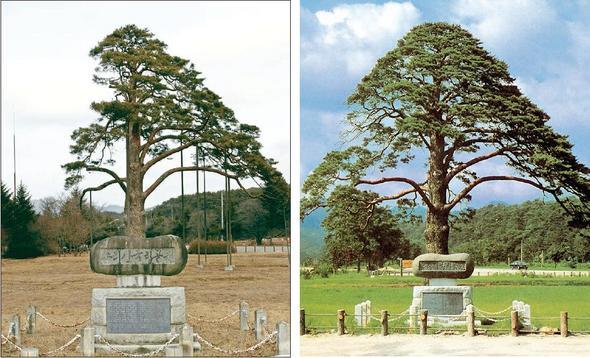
[7, 214]
[23, 241]
[439, 92]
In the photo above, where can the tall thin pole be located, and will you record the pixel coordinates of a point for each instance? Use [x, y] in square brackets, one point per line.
[231, 238]
[182, 218]
[14, 150]
[198, 207]
[205, 208]
[91, 221]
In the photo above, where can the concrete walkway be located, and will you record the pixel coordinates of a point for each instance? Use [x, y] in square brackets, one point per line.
[439, 345]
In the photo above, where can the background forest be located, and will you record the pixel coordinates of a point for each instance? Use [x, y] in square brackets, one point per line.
[491, 234]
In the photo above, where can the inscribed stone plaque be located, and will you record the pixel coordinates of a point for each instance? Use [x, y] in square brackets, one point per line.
[442, 303]
[133, 315]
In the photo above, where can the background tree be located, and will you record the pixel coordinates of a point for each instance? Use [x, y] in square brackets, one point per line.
[160, 107]
[441, 93]
[353, 236]
[7, 206]
[253, 218]
[23, 241]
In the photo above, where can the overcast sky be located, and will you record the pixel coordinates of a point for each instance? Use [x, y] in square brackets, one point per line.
[242, 49]
[545, 43]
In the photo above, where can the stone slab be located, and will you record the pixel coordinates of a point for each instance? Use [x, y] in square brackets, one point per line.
[419, 291]
[443, 266]
[138, 315]
[121, 255]
[177, 311]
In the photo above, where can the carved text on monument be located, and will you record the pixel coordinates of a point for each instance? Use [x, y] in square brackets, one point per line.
[137, 256]
[444, 266]
[146, 315]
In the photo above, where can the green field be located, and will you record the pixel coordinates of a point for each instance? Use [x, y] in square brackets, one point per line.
[548, 296]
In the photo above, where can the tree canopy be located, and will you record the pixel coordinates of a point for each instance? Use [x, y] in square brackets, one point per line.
[353, 236]
[441, 93]
[160, 107]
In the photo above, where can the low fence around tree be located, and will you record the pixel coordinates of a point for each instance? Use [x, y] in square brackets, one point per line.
[507, 321]
[13, 341]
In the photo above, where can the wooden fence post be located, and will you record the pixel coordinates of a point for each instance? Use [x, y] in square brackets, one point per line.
[341, 316]
[470, 321]
[514, 323]
[423, 322]
[563, 325]
[384, 323]
[302, 322]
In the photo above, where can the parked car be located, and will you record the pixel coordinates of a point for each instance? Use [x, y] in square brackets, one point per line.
[519, 265]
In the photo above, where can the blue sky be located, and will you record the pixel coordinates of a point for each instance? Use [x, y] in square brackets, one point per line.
[545, 43]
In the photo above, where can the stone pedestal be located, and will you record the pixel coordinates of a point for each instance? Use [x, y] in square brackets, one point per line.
[139, 316]
[442, 297]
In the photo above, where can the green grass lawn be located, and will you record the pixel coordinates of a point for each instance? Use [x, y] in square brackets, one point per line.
[548, 296]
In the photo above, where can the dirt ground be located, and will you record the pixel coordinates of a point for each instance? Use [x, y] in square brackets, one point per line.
[61, 289]
[439, 345]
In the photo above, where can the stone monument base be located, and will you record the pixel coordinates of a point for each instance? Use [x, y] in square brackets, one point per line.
[138, 316]
[446, 301]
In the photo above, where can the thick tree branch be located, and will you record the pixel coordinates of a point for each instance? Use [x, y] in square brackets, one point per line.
[478, 181]
[459, 168]
[399, 195]
[169, 172]
[166, 154]
[96, 188]
[415, 185]
[117, 179]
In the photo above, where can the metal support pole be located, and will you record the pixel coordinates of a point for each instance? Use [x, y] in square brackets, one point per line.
[91, 221]
[205, 208]
[182, 216]
[198, 207]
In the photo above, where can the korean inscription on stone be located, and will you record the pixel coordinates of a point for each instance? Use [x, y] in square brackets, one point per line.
[147, 315]
[444, 266]
[137, 256]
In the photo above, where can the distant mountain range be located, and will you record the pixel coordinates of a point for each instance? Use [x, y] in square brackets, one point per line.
[37, 206]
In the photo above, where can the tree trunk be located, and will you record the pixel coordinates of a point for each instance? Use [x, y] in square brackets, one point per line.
[134, 201]
[437, 219]
[437, 232]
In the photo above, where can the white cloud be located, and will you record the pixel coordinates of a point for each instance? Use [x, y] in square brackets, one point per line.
[504, 23]
[349, 38]
[564, 93]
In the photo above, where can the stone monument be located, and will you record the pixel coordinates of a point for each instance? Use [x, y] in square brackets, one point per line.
[138, 315]
[442, 296]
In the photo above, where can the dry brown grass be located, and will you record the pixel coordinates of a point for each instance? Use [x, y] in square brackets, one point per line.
[61, 289]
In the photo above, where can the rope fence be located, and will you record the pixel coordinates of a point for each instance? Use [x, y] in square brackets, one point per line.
[423, 322]
[127, 354]
[264, 336]
[62, 325]
[214, 320]
[266, 340]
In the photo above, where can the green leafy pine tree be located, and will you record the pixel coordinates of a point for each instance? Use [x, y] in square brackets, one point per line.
[7, 214]
[355, 235]
[23, 241]
[160, 107]
[441, 93]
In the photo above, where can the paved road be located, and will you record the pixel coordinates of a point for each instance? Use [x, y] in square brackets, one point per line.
[491, 271]
[437, 345]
